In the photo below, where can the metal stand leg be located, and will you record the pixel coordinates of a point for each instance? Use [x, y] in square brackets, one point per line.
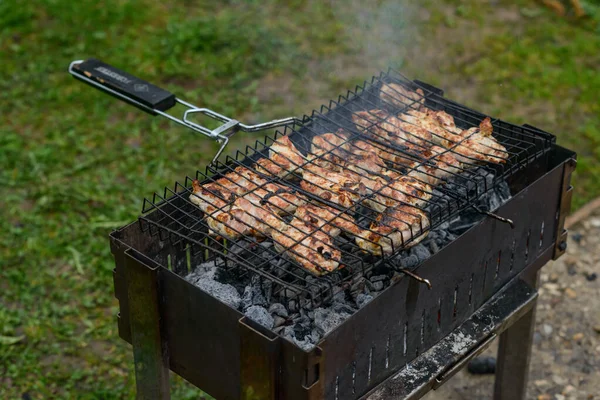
[151, 361]
[513, 357]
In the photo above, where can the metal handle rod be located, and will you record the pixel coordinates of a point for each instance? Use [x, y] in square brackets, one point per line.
[157, 101]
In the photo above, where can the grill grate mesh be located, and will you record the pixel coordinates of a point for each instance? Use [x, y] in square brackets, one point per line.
[445, 189]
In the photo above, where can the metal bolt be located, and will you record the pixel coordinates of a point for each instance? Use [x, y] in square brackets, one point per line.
[562, 246]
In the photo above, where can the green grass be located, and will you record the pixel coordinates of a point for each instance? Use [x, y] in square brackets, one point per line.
[75, 163]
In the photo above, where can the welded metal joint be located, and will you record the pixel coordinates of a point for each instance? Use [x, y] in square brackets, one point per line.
[564, 207]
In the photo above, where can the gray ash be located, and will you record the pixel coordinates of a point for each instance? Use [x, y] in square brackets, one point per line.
[291, 313]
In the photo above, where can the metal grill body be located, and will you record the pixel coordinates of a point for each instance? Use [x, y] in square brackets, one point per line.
[218, 349]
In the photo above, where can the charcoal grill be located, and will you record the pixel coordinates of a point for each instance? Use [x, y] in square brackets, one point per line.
[412, 336]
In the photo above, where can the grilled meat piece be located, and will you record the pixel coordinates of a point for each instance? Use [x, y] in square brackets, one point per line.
[434, 166]
[309, 246]
[284, 159]
[328, 150]
[244, 218]
[396, 228]
[383, 152]
[336, 187]
[329, 219]
[382, 126]
[480, 146]
[278, 198]
[399, 96]
[216, 194]
[475, 144]
[394, 190]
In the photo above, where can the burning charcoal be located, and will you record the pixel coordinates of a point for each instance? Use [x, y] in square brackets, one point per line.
[253, 295]
[205, 270]
[434, 247]
[305, 321]
[315, 335]
[267, 289]
[293, 306]
[278, 321]
[409, 262]
[377, 278]
[260, 315]
[266, 244]
[306, 304]
[362, 299]
[278, 309]
[378, 286]
[326, 320]
[343, 307]
[300, 331]
[421, 252]
[339, 296]
[226, 293]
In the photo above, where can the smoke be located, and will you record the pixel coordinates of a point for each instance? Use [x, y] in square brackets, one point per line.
[379, 31]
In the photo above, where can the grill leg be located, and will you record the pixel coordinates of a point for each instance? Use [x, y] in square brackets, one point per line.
[151, 361]
[513, 356]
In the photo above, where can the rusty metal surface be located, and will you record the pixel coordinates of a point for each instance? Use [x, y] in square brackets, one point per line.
[147, 332]
[565, 207]
[514, 353]
[259, 359]
[417, 378]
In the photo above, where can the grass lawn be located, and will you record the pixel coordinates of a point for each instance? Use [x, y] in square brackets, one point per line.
[75, 163]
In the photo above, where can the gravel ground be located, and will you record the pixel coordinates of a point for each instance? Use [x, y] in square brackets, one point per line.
[565, 362]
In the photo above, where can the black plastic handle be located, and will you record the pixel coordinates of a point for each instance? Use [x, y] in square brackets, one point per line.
[129, 88]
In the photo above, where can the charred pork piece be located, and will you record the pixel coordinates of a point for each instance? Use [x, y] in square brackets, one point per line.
[399, 96]
[434, 166]
[393, 190]
[336, 187]
[308, 245]
[244, 218]
[472, 145]
[331, 220]
[384, 153]
[284, 159]
[216, 194]
[280, 199]
[382, 126]
[328, 150]
[394, 229]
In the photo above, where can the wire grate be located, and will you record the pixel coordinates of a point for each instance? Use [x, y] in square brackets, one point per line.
[360, 179]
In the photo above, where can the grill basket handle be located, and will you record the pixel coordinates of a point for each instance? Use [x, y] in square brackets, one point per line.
[129, 88]
[157, 101]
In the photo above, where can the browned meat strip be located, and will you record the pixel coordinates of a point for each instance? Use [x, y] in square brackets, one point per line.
[244, 218]
[381, 126]
[332, 186]
[399, 96]
[284, 159]
[224, 190]
[434, 166]
[308, 246]
[394, 229]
